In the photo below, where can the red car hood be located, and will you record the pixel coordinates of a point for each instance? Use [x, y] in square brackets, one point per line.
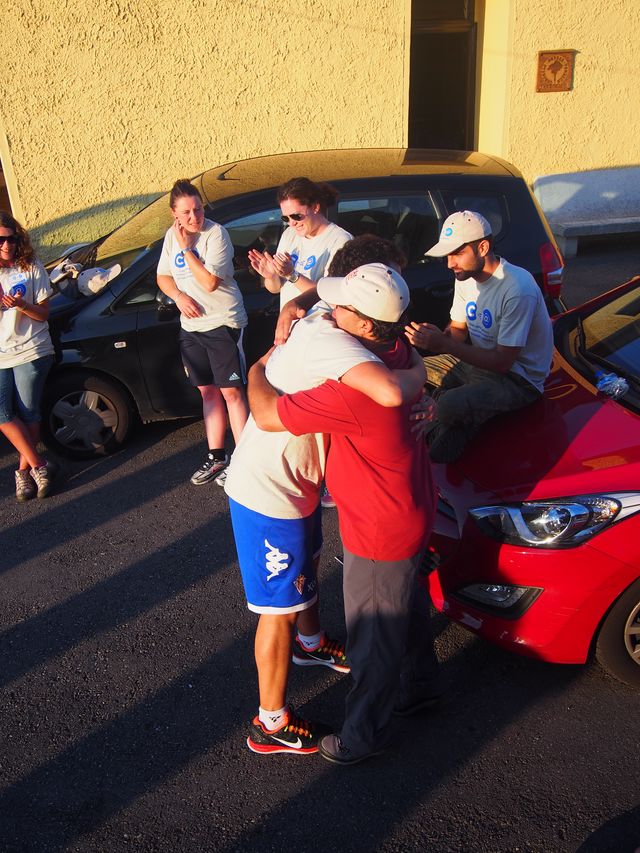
[571, 442]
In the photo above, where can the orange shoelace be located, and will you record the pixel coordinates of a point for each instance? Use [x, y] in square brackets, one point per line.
[299, 727]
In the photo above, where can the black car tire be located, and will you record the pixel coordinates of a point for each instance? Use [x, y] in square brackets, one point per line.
[618, 644]
[85, 415]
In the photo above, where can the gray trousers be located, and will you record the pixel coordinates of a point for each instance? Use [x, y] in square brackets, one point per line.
[466, 398]
[384, 607]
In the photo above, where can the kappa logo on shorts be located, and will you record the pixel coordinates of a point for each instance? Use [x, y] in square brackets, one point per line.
[276, 561]
[299, 583]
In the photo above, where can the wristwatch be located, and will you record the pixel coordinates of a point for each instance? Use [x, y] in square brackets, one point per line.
[293, 277]
[184, 251]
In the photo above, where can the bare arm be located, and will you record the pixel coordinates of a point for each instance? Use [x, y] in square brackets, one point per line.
[387, 387]
[186, 305]
[294, 310]
[263, 398]
[420, 334]
[208, 281]
[429, 337]
[34, 310]
[263, 264]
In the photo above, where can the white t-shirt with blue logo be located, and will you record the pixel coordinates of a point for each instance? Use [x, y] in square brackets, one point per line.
[311, 255]
[275, 473]
[223, 307]
[508, 310]
[22, 339]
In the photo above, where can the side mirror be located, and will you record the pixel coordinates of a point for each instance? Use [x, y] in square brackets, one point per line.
[167, 308]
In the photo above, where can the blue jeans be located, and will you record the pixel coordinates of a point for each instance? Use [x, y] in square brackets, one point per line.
[21, 390]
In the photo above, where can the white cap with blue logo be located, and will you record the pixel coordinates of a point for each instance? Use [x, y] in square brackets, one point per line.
[461, 227]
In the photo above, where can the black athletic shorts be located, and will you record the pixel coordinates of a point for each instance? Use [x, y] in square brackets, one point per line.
[214, 357]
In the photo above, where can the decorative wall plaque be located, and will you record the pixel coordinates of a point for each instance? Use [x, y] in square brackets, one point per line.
[555, 70]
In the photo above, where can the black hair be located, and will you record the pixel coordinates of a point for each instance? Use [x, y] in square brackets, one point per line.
[384, 331]
[366, 249]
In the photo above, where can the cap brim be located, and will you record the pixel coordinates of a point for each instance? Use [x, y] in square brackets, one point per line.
[332, 290]
[441, 249]
[113, 271]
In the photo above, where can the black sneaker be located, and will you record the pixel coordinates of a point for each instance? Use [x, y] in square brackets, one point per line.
[333, 749]
[329, 653]
[296, 735]
[209, 469]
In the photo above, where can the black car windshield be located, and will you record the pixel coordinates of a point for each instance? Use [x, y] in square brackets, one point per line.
[611, 334]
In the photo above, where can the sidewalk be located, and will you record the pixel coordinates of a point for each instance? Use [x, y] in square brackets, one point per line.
[601, 263]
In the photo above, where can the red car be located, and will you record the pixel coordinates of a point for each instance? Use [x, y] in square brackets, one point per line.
[537, 539]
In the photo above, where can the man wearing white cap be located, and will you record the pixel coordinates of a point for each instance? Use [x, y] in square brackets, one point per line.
[381, 481]
[496, 353]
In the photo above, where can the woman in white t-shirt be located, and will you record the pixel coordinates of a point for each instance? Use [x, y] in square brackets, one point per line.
[307, 246]
[26, 355]
[196, 271]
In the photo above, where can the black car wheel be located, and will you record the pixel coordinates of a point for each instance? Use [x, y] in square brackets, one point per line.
[618, 645]
[85, 415]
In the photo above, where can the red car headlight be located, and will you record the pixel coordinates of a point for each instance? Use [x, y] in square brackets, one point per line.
[557, 523]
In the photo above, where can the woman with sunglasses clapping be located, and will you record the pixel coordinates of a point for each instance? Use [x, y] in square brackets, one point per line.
[26, 355]
[307, 246]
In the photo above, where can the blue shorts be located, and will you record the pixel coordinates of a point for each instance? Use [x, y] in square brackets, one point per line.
[276, 557]
[21, 390]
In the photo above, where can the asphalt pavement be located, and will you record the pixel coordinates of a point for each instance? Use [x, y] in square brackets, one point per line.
[127, 683]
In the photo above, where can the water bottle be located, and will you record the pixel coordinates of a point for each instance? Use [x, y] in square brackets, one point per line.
[610, 384]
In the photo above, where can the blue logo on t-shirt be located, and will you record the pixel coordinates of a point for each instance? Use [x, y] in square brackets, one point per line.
[180, 260]
[311, 262]
[294, 258]
[487, 319]
[472, 309]
[19, 289]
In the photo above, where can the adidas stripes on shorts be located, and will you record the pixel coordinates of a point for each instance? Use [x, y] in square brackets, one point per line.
[214, 357]
[276, 557]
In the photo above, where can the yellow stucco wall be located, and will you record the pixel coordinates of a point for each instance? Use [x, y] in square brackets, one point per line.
[103, 105]
[597, 124]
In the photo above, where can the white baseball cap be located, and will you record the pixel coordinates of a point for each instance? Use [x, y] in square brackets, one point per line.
[94, 279]
[462, 227]
[374, 290]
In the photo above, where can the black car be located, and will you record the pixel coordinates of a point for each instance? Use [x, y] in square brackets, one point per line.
[118, 349]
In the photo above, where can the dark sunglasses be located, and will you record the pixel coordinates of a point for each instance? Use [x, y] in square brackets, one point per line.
[11, 239]
[297, 217]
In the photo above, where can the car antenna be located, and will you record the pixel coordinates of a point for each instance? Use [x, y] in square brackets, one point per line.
[223, 175]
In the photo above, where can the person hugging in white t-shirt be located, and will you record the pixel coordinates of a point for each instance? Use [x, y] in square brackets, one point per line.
[307, 246]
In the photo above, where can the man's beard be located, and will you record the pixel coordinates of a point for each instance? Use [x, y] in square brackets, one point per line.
[463, 275]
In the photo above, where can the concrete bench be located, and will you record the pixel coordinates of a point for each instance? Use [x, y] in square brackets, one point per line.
[591, 203]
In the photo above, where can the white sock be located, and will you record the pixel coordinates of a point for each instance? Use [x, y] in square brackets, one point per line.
[311, 642]
[272, 720]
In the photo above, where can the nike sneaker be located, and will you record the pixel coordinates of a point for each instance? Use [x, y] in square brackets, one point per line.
[328, 653]
[209, 470]
[296, 736]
